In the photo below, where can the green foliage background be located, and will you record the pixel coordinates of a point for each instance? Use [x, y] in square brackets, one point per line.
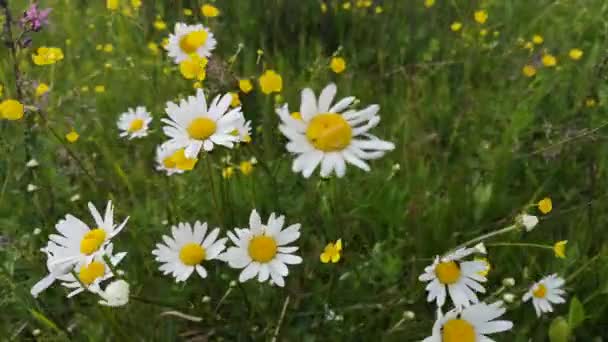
[477, 143]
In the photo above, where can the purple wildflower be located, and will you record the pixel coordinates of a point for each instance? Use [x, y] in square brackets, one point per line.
[34, 19]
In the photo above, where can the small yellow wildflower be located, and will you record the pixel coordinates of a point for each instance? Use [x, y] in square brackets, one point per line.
[227, 172]
[575, 54]
[100, 89]
[108, 48]
[136, 3]
[481, 16]
[364, 3]
[331, 252]
[590, 102]
[528, 70]
[112, 5]
[47, 55]
[429, 3]
[153, 47]
[42, 89]
[296, 115]
[245, 85]
[194, 67]
[210, 11]
[560, 249]
[537, 39]
[246, 167]
[188, 12]
[549, 60]
[159, 24]
[236, 101]
[72, 137]
[323, 7]
[486, 263]
[337, 65]
[529, 46]
[11, 110]
[456, 26]
[271, 82]
[545, 205]
[346, 6]
[378, 9]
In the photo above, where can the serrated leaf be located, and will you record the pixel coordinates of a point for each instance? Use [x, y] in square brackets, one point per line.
[576, 313]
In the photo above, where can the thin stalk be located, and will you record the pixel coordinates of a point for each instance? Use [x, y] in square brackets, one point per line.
[488, 235]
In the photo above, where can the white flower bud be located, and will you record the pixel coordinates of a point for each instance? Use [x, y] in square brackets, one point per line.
[481, 248]
[37, 231]
[206, 299]
[409, 315]
[508, 282]
[529, 221]
[508, 297]
[233, 283]
[115, 294]
[32, 163]
[75, 198]
[31, 188]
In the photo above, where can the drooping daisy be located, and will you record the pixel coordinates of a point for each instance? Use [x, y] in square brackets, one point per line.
[243, 130]
[194, 126]
[91, 274]
[461, 278]
[261, 250]
[183, 253]
[173, 161]
[134, 123]
[331, 135]
[115, 294]
[546, 292]
[470, 324]
[188, 40]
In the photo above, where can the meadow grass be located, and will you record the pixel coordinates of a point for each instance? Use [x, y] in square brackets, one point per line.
[477, 143]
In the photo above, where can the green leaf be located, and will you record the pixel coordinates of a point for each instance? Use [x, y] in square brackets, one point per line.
[40, 317]
[576, 314]
[559, 330]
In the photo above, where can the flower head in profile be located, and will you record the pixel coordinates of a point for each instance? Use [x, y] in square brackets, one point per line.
[194, 126]
[262, 250]
[209, 11]
[458, 278]
[134, 123]
[546, 292]
[35, 19]
[245, 85]
[331, 135]
[560, 249]
[332, 252]
[47, 55]
[545, 205]
[115, 294]
[470, 324]
[173, 161]
[271, 82]
[188, 40]
[188, 249]
[41, 89]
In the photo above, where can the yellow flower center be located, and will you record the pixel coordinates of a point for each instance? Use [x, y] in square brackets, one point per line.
[447, 272]
[92, 271]
[540, 291]
[92, 240]
[458, 330]
[329, 132]
[192, 254]
[201, 128]
[136, 125]
[179, 160]
[192, 41]
[262, 248]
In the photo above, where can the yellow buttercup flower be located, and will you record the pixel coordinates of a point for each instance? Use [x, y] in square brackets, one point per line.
[337, 65]
[481, 16]
[271, 82]
[188, 12]
[575, 54]
[136, 3]
[529, 46]
[112, 5]
[100, 89]
[11, 110]
[236, 101]
[537, 39]
[42, 89]
[246, 167]
[332, 252]
[108, 48]
[227, 172]
[590, 102]
[153, 48]
[159, 24]
[194, 68]
[528, 70]
[549, 60]
[47, 55]
[545, 205]
[429, 3]
[456, 26]
[245, 85]
[72, 137]
[560, 249]
[210, 11]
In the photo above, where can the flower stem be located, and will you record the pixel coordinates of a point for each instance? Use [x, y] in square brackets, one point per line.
[519, 244]
[488, 235]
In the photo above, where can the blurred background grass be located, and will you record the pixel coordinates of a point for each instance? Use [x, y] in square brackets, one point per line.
[476, 141]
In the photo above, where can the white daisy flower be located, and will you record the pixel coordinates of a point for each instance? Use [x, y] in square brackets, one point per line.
[77, 243]
[190, 39]
[262, 251]
[470, 324]
[91, 274]
[243, 130]
[529, 221]
[134, 123]
[194, 126]
[461, 278]
[173, 161]
[546, 292]
[331, 135]
[115, 294]
[187, 249]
